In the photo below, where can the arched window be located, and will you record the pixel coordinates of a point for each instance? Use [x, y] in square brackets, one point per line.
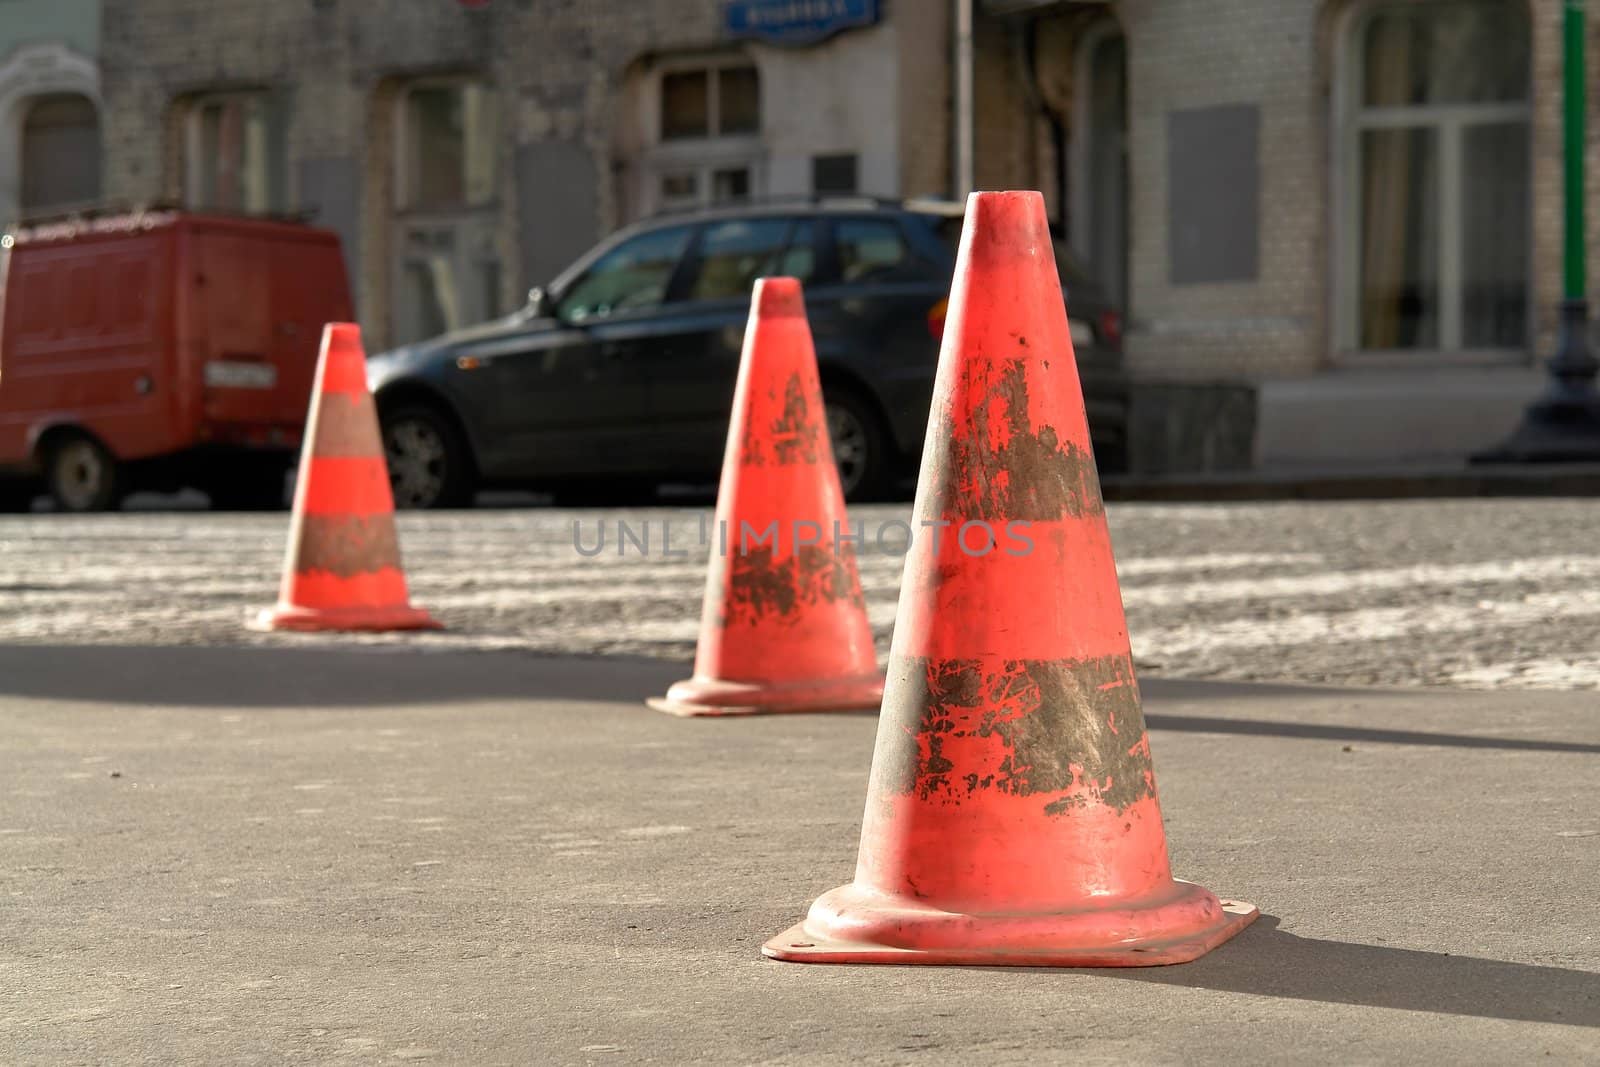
[60, 151]
[1436, 164]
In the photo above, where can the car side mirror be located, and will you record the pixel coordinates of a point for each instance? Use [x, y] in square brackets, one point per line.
[538, 303]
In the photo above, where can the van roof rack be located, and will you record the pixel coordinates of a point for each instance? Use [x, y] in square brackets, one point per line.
[110, 208]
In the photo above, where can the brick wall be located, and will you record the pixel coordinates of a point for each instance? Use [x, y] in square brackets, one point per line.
[558, 64]
[1281, 57]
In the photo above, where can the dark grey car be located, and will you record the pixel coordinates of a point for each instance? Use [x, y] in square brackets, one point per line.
[618, 376]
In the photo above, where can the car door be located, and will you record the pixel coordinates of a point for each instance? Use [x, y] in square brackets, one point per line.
[693, 378]
[875, 312]
[565, 398]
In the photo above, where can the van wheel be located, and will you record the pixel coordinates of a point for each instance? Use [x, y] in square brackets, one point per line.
[860, 445]
[82, 476]
[428, 462]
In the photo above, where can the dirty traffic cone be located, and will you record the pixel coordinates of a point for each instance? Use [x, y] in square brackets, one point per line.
[343, 567]
[784, 626]
[1011, 814]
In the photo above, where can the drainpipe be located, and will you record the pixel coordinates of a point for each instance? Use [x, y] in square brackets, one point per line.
[963, 99]
[1024, 50]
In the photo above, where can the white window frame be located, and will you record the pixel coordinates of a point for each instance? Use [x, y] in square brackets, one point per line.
[1351, 119]
[472, 225]
[194, 161]
[702, 156]
[402, 198]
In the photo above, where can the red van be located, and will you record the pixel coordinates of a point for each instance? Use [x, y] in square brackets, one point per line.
[157, 350]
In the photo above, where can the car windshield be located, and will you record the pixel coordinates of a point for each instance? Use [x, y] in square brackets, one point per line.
[1067, 265]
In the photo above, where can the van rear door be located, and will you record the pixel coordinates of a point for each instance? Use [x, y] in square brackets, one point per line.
[262, 299]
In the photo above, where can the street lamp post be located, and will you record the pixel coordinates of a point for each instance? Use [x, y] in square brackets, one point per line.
[1563, 424]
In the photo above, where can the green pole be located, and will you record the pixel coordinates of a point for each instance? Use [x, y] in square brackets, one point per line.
[1574, 90]
[1563, 424]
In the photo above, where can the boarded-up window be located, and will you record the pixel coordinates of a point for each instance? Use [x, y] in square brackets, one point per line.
[60, 152]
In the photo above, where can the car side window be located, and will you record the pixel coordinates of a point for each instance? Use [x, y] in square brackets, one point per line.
[869, 250]
[734, 254]
[633, 275]
[799, 260]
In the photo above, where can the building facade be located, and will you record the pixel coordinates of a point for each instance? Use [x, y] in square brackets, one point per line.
[49, 105]
[467, 152]
[1338, 222]
[1334, 225]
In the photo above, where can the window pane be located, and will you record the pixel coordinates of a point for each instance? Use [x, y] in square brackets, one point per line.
[833, 174]
[437, 145]
[1450, 52]
[239, 146]
[481, 117]
[739, 99]
[800, 258]
[683, 105]
[732, 183]
[430, 303]
[734, 254]
[1495, 206]
[635, 274]
[426, 291]
[1399, 239]
[451, 135]
[60, 152]
[868, 249]
[680, 190]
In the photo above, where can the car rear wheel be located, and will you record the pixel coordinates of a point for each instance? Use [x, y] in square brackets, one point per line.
[428, 462]
[82, 475]
[860, 446]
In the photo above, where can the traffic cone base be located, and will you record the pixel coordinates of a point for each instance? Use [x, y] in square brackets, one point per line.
[712, 697]
[310, 620]
[856, 925]
[783, 625]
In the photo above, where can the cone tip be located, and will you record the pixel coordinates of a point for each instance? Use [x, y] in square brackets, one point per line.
[341, 335]
[1008, 220]
[778, 297]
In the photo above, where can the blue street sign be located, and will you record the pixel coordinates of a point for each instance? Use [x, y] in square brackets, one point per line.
[796, 22]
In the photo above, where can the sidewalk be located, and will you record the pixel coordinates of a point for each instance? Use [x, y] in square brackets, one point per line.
[275, 856]
[1370, 482]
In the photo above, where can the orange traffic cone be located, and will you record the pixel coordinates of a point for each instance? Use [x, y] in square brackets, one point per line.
[784, 626]
[343, 568]
[1011, 815]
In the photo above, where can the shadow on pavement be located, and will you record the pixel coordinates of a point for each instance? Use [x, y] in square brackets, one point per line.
[255, 676]
[265, 677]
[1269, 962]
[1196, 724]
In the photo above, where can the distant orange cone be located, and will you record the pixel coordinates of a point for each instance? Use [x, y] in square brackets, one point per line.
[784, 626]
[1011, 816]
[343, 567]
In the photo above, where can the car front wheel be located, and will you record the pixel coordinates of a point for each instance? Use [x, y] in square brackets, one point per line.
[428, 462]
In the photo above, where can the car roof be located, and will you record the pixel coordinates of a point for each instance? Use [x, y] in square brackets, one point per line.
[801, 205]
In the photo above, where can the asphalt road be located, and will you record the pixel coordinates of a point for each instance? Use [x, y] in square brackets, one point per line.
[1478, 593]
[277, 855]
